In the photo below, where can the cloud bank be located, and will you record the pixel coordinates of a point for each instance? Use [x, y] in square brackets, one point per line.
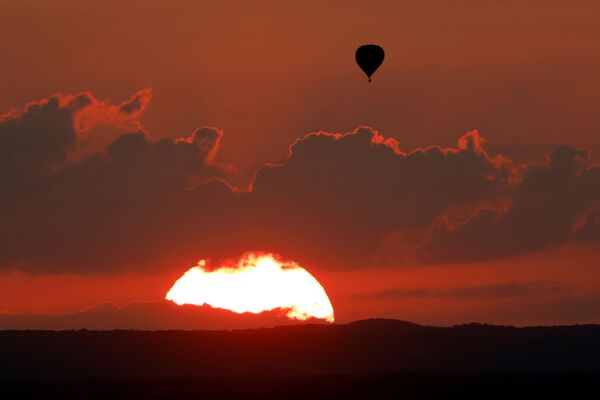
[125, 201]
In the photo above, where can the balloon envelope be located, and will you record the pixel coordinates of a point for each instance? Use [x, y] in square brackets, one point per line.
[369, 57]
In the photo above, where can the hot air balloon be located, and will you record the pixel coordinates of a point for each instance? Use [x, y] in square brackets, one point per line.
[369, 57]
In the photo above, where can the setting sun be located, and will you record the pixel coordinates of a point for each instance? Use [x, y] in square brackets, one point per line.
[256, 282]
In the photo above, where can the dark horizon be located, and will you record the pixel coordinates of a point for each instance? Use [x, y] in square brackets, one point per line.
[166, 316]
[363, 347]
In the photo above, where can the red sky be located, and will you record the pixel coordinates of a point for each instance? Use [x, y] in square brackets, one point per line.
[494, 231]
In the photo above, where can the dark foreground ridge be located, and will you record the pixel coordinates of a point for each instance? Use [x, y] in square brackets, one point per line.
[405, 386]
[362, 347]
[371, 359]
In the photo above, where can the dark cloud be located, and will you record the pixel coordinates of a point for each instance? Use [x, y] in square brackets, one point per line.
[555, 202]
[101, 212]
[351, 200]
[345, 193]
[33, 143]
[496, 290]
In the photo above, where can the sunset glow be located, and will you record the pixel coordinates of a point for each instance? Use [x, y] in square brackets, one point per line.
[256, 283]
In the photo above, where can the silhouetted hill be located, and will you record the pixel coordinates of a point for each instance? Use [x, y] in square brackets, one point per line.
[146, 316]
[362, 347]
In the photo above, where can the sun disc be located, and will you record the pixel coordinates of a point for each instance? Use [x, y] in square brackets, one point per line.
[257, 282]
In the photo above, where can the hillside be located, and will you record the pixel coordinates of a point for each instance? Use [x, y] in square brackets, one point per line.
[362, 347]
